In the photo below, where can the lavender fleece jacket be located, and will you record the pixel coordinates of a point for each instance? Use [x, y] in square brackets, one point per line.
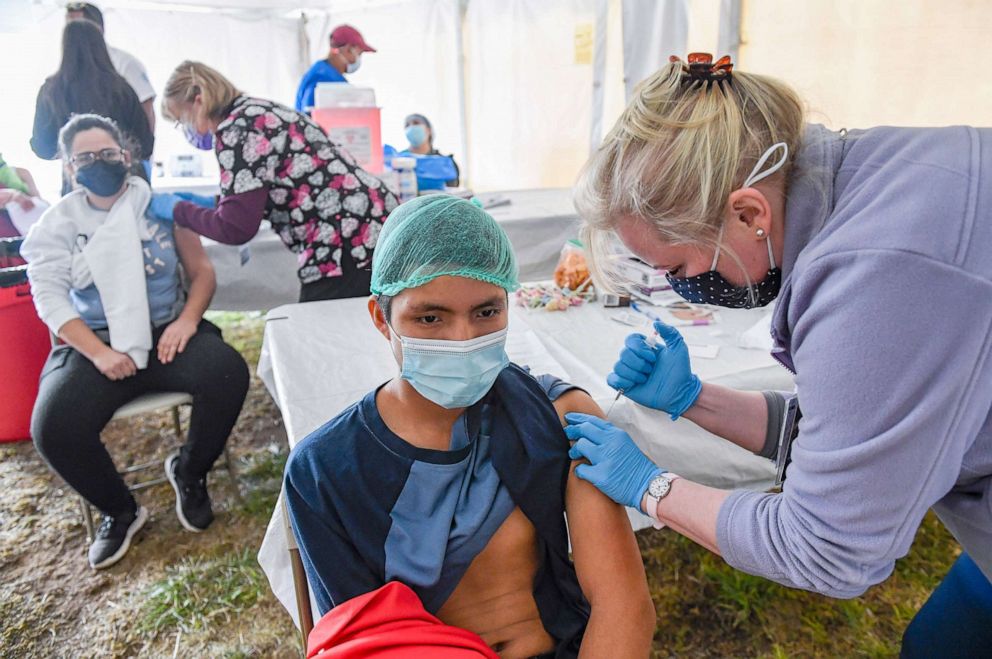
[885, 314]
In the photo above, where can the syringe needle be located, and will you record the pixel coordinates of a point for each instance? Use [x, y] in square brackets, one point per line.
[652, 341]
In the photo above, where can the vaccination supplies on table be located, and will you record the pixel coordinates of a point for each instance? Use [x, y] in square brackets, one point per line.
[678, 314]
[185, 165]
[640, 273]
[572, 271]
[406, 178]
[643, 323]
[552, 298]
[615, 300]
[433, 171]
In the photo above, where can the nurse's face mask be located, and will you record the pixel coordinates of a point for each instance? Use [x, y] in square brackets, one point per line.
[203, 141]
[354, 66]
[713, 288]
[453, 374]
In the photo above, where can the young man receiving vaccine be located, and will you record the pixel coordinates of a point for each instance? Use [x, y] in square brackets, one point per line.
[452, 478]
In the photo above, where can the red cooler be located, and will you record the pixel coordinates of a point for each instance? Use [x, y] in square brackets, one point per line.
[24, 346]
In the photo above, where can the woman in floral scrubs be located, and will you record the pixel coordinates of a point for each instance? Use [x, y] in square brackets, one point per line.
[277, 164]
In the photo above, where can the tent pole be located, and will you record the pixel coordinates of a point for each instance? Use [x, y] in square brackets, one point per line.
[462, 112]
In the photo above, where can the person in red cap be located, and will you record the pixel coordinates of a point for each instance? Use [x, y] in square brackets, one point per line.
[345, 56]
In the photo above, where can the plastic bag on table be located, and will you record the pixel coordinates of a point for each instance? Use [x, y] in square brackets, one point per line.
[572, 271]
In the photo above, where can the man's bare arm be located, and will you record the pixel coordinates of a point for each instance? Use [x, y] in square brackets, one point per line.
[607, 561]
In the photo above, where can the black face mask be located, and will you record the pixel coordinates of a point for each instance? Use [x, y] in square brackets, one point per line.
[713, 288]
[103, 179]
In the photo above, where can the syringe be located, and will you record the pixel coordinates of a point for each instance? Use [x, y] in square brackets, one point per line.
[652, 341]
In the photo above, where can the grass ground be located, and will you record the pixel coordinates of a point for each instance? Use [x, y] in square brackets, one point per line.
[178, 594]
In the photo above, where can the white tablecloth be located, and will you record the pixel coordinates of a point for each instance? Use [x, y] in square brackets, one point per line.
[321, 357]
[537, 222]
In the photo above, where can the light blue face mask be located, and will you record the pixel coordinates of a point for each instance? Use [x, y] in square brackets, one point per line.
[416, 134]
[453, 374]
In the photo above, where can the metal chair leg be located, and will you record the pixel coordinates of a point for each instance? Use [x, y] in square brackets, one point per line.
[87, 518]
[232, 474]
[176, 423]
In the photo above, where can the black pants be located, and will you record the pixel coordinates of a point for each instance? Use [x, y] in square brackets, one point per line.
[352, 283]
[75, 401]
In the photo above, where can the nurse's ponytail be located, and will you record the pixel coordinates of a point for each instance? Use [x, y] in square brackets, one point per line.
[676, 153]
[192, 79]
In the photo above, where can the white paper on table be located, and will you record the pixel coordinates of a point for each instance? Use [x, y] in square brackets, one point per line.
[23, 219]
[759, 335]
[703, 351]
[525, 349]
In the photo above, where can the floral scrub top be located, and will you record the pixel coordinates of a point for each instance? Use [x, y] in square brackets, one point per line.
[321, 203]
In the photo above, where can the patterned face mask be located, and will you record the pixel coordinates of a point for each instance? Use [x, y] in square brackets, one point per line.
[713, 288]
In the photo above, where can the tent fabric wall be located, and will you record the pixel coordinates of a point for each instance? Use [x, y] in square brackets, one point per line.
[528, 94]
[652, 31]
[729, 36]
[861, 64]
[531, 111]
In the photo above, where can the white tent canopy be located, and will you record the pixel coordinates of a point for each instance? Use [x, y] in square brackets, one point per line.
[521, 90]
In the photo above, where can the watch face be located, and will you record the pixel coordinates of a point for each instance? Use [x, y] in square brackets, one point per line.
[659, 487]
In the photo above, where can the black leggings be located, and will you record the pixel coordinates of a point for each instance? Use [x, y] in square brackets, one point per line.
[352, 283]
[75, 401]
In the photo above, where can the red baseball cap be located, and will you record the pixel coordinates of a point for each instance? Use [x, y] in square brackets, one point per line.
[345, 35]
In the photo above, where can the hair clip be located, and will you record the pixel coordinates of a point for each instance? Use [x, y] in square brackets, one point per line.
[701, 69]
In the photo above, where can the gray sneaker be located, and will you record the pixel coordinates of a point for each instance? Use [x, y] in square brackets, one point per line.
[113, 538]
[192, 501]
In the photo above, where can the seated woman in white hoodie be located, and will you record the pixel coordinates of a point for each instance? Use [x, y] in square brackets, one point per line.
[105, 279]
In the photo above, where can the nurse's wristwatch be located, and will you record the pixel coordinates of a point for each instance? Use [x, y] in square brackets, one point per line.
[659, 488]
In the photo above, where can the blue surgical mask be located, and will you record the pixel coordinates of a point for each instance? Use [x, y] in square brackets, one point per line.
[416, 134]
[354, 66]
[453, 374]
[713, 288]
[202, 141]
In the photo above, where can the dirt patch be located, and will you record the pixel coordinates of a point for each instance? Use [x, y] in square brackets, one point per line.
[53, 604]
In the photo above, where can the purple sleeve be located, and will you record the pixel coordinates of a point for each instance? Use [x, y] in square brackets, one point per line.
[234, 222]
[889, 347]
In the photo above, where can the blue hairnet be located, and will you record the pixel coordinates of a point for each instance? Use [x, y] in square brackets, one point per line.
[438, 235]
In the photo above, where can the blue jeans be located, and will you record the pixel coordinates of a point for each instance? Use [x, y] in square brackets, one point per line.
[957, 619]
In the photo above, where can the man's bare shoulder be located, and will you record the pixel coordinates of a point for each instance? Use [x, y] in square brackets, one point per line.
[576, 400]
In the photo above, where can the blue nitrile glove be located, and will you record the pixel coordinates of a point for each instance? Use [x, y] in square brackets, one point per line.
[163, 203]
[659, 377]
[207, 201]
[617, 466]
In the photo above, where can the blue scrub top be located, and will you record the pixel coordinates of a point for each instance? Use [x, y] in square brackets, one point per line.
[320, 72]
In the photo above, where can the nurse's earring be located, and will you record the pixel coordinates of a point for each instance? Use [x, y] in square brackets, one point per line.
[761, 233]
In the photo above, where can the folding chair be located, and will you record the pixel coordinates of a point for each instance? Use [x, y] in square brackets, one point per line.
[300, 584]
[147, 404]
